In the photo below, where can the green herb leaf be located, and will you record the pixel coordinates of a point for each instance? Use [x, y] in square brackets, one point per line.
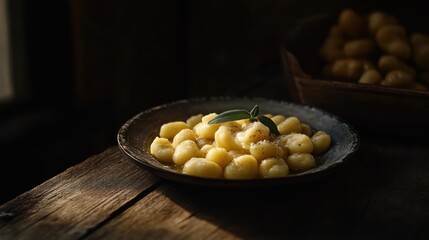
[269, 123]
[231, 115]
[255, 111]
[239, 114]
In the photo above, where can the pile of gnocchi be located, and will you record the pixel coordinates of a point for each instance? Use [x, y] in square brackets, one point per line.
[376, 49]
[239, 149]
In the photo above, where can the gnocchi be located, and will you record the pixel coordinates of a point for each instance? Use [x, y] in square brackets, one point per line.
[240, 149]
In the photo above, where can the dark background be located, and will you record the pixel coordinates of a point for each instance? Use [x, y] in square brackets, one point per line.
[81, 68]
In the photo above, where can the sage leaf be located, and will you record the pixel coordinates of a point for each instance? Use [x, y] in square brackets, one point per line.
[231, 115]
[269, 123]
[239, 114]
[255, 111]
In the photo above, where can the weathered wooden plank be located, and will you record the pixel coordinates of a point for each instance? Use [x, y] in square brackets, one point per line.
[77, 200]
[165, 213]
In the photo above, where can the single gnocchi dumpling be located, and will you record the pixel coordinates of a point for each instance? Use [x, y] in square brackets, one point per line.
[277, 119]
[206, 118]
[205, 149]
[225, 136]
[185, 151]
[205, 130]
[289, 125]
[306, 129]
[273, 167]
[194, 120]
[162, 149]
[301, 161]
[252, 132]
[184, 134]
[242, 167]
[265, 149]
[202, 168]
[219, 156]
[299, 143]
[321, 142]
[169, 130]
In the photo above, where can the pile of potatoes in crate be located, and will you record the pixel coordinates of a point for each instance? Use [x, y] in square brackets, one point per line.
[376, 49]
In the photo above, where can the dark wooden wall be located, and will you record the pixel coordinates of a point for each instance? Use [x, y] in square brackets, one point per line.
[138, 54]
[83, 67]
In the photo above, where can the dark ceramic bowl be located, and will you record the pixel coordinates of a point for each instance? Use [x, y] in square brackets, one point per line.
[135, 136]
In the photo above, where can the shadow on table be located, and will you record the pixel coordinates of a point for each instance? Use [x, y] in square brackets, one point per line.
[378, 194]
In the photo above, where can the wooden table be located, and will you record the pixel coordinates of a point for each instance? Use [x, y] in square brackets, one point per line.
[383, 193]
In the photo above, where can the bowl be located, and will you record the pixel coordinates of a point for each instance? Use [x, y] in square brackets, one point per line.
[373, 108]
[136, 135]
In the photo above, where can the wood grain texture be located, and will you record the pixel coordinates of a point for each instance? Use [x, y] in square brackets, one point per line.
[382, 194]
[166, 213]
[76, 201]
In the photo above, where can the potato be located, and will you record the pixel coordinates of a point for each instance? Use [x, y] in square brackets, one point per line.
[370, 76]
[350, 52]
[185, 151]
[301, 161]
[399, 48]
[421, 56]
[162, 149]
[351, 23]
[397, 78]
[242, 167]
[202, 168]
[169, 130]
[393, 40]
[387, 63]
[420, 43]
[377, 20]
[387, 34]
[273, 167]
[419, 39]
[349, 69]
[359, 48]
